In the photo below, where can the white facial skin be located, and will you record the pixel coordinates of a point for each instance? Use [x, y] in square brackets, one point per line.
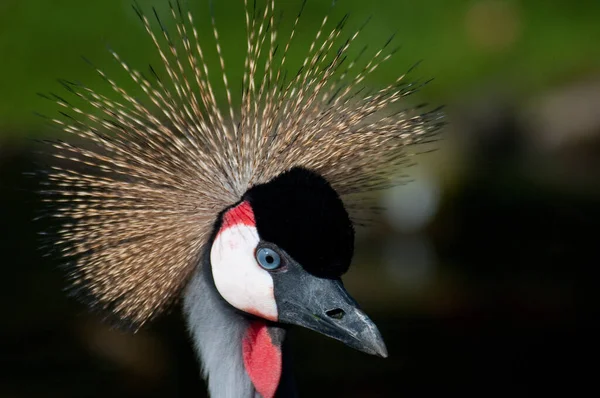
[240, 280]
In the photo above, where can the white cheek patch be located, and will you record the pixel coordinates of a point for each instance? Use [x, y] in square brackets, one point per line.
[238, 277]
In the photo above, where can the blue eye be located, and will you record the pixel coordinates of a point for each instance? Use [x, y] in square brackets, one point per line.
[268, 258]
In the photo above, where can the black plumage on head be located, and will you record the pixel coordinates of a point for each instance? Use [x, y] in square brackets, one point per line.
[301, 213]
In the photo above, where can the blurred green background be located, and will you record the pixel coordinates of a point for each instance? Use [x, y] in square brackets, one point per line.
[523, 46]
[472, 271]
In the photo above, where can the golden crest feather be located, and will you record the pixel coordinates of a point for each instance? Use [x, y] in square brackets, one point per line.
[139, 198]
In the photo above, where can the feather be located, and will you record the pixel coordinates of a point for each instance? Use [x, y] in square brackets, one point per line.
[137, 201]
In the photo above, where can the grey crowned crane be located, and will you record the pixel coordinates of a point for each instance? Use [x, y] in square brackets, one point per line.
[247, 215]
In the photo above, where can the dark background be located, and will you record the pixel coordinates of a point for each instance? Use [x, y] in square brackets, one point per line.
[473, 273]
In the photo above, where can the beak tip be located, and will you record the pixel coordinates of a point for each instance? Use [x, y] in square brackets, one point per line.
[374, 343]
[381, 350]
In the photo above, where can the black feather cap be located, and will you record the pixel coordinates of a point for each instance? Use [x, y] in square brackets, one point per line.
[301, 213]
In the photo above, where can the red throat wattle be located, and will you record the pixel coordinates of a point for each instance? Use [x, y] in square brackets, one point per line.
[262, 359]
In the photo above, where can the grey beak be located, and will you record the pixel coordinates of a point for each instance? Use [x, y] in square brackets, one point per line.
[324, 305]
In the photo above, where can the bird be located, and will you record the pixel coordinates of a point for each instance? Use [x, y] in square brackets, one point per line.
[244, 211]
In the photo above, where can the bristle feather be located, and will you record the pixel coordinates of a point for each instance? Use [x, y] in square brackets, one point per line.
[137, 203]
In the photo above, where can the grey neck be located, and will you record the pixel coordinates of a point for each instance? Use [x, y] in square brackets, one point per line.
[217, 331]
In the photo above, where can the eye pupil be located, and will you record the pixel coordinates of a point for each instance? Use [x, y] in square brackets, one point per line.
[268, 258]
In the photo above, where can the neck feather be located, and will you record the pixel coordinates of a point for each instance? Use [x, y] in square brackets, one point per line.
[240, 356]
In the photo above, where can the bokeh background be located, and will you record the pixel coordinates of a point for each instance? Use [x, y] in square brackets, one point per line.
[472, 273]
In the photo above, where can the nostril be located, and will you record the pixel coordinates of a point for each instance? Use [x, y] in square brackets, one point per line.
[336, 313]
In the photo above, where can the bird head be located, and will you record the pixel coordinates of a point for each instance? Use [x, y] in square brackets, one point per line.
[280, 252]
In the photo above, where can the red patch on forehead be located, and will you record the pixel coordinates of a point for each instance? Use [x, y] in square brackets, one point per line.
[241, 214]
[262, 359]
